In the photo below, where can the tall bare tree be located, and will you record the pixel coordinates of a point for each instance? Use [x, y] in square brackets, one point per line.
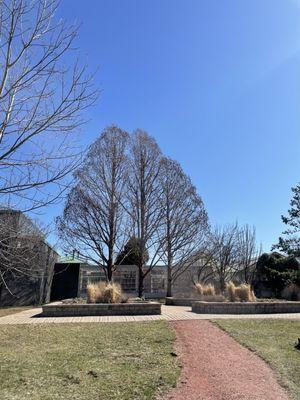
[145, 209]
[42, 96]
[94, 222]
[231, 253]
[185, 221]
[223, 251]
[248, 252]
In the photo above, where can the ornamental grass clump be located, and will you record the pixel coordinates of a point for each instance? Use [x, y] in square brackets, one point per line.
[230, 289]
[242, 292]
[103, 292]
[205, 290]
[91, 292]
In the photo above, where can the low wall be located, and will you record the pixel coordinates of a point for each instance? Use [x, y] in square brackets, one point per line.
[73, 310]
[202, 307]
[177, 301]
[188, 301]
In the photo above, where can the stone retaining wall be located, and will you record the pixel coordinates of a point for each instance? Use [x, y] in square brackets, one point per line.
[177, 301]
[72, 310]
[202, 307]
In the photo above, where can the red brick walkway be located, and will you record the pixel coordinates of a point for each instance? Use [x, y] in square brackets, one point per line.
[216, 367]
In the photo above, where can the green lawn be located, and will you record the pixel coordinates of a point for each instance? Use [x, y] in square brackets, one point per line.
[91, 361]
[11, 310]
[274, 341]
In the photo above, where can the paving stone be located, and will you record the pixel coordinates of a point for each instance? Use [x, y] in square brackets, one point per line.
[169, 313]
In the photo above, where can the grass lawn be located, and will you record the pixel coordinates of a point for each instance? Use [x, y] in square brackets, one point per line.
[91, 361]
[274, 341]
[11, 310]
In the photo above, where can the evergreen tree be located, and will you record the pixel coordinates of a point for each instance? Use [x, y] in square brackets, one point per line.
[275, 272]
[289, 243]
[130, 255]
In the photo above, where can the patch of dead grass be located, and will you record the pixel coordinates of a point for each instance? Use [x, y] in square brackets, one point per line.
[274, 341]
[128, 361]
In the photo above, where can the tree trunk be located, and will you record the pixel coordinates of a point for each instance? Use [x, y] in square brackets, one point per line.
[169, 251]
[109, 273]
[169, 287]
[169, 280]
[222, 284]
[141, 283]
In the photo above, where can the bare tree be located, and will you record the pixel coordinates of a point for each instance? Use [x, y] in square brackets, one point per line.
[94, 222]
[202, 271]
[145, 209]
[185, 221]
[25, 258]
[248, 252]
[230, 254]
[41, 102]
[223, 253]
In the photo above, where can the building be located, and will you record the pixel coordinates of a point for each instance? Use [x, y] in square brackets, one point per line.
[72, 275]
[26, 261]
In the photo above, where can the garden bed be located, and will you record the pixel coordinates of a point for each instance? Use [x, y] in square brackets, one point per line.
[188, 301]
[177, 301]
[257, 307]
[100, 309]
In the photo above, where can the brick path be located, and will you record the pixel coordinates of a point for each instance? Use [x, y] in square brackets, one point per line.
[216, 367]
[169, 313]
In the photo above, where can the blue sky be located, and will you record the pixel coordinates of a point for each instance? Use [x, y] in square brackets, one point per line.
[217, 83]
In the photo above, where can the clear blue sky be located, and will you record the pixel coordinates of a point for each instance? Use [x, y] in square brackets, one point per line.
[217, 83]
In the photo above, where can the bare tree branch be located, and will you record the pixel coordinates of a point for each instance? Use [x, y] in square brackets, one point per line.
[94, 222]
[144, 191]
[41, 102]
[185, 221]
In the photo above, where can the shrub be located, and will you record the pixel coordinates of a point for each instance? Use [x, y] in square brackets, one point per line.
[205, 290]
[291, 292]
[103, 292]
[239, 293]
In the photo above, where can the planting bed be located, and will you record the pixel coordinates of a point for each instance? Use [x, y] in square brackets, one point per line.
[177, 301]
[275, 307]
[188, 301]
[100, 309]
